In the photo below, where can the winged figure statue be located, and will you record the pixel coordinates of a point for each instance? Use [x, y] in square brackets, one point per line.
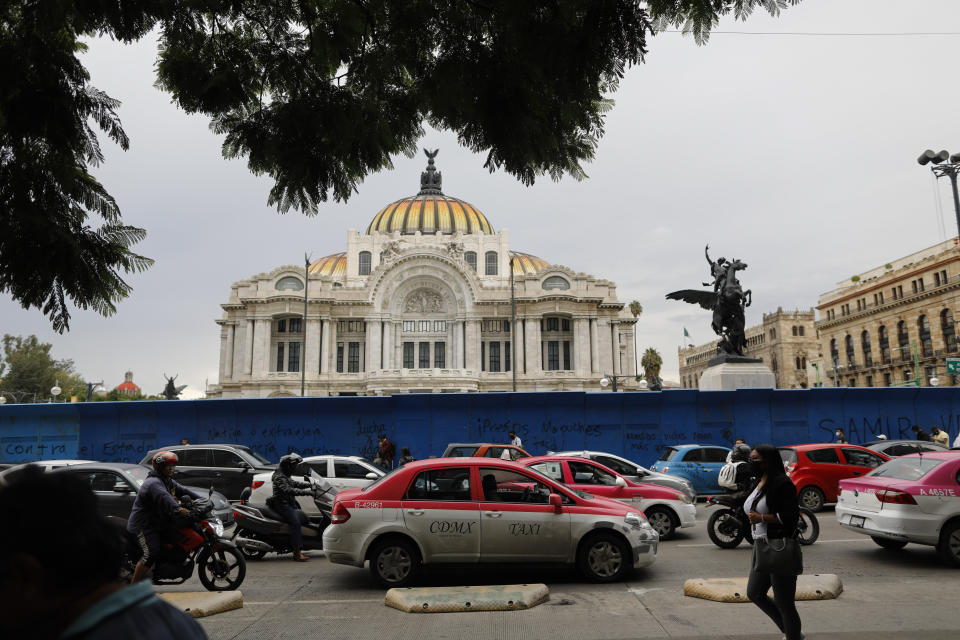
[728, 301]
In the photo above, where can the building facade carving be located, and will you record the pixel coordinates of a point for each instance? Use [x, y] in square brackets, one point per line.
[421, 302]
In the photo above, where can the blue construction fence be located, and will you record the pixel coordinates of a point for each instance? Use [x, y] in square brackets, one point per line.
[634, 425]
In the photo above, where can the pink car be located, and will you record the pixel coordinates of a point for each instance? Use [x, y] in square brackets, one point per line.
[914, 498]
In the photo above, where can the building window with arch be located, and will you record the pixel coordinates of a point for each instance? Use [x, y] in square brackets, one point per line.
[884, 341]
[903, 340]
[948, 330]
[490, 260]
[470, 257]
[794, 328]
[289, 283]
[801, 363]
[365, 260]
[851, 353]
[800, 330]
[555, 282]
[834, 353]
[926, 339]
[865, 346]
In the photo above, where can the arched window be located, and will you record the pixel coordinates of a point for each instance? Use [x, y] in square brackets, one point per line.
[851, 353]
[926, 341]
[948, 330]
[491, 263]
[794, 329]
[798, 363]
[289, 283]
[800, 330]
[834, 354]
[364, 263]
[865, 345]
[555, 282]
[884, 341]
[903, 340]
[470, 257]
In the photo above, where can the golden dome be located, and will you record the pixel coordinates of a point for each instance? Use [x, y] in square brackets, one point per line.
[430, 211]
[526, 264]
[333, 265]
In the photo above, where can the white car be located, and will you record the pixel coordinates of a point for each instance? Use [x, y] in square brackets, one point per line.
[342, 472]
[483, 510]
[633, 471]
[914, 498]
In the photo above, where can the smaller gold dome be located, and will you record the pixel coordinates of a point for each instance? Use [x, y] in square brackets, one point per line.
[333, 265]
[526, 264]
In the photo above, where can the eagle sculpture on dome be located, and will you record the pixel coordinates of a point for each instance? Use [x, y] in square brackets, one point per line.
[431, 179]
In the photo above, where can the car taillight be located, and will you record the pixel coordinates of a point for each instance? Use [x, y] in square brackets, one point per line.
[894, 497]
[339, 515]
[256, 484]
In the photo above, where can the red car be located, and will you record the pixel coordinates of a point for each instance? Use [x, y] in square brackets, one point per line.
[666, 509]
[817, 469]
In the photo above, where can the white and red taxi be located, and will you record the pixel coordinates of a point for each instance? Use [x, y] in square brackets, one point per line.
[665, 508]
[470, 510]
[914, 498]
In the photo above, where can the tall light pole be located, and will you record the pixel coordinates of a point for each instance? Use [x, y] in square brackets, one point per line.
[513, 327]
[303, 339]
[945, 165]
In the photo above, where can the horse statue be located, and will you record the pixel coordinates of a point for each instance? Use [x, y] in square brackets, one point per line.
[728, 301]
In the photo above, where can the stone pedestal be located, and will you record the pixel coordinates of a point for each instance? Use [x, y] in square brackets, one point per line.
[728, 376]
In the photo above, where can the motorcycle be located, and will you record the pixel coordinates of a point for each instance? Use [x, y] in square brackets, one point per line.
[260, 530]
[199, 543]
[728, 526]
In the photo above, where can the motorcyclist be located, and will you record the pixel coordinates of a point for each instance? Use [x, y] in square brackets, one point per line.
[744, 474]
[152, 515]
[284, 501]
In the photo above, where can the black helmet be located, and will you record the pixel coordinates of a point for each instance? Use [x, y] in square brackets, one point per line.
[741, 453]
[290, 461]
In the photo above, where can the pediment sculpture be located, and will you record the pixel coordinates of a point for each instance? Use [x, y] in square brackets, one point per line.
[423, 301]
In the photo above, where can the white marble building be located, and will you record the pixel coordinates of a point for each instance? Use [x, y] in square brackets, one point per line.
[421, 303]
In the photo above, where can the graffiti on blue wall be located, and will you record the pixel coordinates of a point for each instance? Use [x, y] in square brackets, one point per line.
[635, 425]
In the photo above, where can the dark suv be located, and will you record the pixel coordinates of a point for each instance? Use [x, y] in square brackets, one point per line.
[228, 468]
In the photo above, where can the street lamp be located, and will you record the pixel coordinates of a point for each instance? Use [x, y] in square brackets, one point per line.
[945, 165]
[55, 390]
[836, 370]
[934, 381]
[608, 380]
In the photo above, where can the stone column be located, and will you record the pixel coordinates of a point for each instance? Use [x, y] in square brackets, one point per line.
[605, 347]
[228, 363]
[594, 345]
[331, 362]
[615, 347]
[261, 348]
[581, 346]
[311, 347]
[388, 345]
[472, 345]
[248, 348]
[532, 346]
[324, 365]
[517, 357]
[373, 361]
[398, 344]
[239, 349]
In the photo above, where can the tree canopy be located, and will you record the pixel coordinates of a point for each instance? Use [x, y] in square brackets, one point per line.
[318, 94]
[28, 371]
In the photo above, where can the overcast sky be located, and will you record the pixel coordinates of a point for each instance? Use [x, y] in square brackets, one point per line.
[794, 153]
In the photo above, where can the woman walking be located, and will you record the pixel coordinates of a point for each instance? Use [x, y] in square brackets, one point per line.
[774, 511]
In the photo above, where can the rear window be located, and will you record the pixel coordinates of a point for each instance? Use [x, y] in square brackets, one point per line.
[715, 455]
[693, 455]
[668, 454]
[824, 456]
[906, 468]
[788, 456]
[462, 452]
[253, 454]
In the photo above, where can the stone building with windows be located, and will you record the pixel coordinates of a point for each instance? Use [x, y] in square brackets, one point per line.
[786, 341]
[420, 302]
[877, 326]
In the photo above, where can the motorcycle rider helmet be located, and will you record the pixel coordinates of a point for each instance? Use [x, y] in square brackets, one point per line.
[741, 453]
[289, 462]
[163, 458]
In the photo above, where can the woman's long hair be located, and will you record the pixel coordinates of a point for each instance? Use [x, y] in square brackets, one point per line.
[772, 462]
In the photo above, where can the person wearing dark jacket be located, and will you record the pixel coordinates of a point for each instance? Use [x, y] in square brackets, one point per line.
[151, 517]
[774, 512]
[921, 434]
[405, 456]
[284, 500]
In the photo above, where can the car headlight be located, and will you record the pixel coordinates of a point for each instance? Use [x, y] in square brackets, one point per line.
[636, 520]
[684, 498]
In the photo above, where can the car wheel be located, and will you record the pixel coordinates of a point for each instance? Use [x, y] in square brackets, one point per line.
[949, 546]
[394, 562]
[887, 543]
[662, 522]
[604, 557]
[812, 498]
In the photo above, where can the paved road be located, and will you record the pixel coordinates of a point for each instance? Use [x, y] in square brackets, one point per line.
[903, 594]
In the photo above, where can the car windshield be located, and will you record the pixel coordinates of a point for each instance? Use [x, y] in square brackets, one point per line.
[136, 474]
[788, 455]
[381, 479]
[668, 454]
[906, 468]
[253, 454]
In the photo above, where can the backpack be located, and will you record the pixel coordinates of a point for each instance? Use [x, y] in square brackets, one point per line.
[728, 475]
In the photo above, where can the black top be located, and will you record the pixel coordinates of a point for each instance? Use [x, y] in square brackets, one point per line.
[781, 500]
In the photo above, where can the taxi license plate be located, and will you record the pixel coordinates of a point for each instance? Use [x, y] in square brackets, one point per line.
[856, 521]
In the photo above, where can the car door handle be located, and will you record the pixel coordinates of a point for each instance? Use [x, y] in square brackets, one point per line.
[415, 512]
[492, 514]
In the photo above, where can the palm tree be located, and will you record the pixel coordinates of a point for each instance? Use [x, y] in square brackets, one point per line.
[636, 309]
[651, 364]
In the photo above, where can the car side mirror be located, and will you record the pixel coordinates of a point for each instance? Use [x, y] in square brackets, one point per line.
[371, 476]
[245, 466]
[122, 487]
[621, 482]
[583, 476]
[556, 502]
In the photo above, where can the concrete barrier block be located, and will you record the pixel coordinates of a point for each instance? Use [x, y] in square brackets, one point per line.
[201, 604]
[817, 586]
[505, 597]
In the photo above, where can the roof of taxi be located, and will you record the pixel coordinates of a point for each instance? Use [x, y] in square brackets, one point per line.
[949, 454]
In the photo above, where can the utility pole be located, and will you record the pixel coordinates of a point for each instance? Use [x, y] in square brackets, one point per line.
[513, 326]
[945, 165]
[303, 340]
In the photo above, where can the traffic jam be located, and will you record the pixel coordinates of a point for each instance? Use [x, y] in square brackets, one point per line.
[594, 511]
